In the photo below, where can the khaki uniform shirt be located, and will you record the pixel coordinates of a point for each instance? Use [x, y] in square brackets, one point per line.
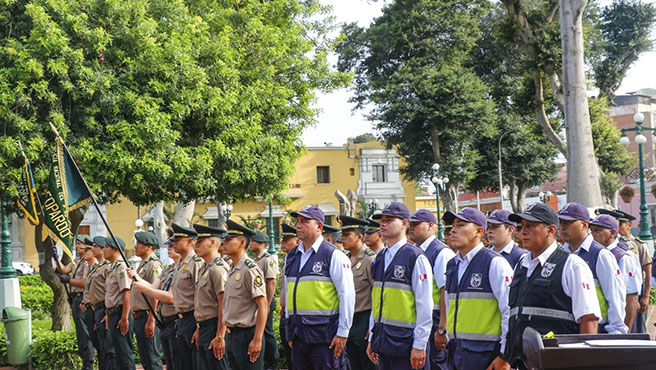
[79, 271]
[283, 290]
[267, 263]
[228, 260]
[165, 280]
[85, 295]
[184, 282]
[211, 283]
[94, 284]
[245, 283]
[148, 270]
[362, 278]
[638, 247]
[117, 281]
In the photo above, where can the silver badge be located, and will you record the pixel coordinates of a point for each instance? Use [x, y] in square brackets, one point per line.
[317, 267]
[529, 208]
[547, 269]
[476, 280]
[399, 272]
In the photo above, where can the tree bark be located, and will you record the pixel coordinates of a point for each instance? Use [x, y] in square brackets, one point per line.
[583, 181]
[520, 197]
[184, 212]
[449, 198]
[513, 198]
[159, 222]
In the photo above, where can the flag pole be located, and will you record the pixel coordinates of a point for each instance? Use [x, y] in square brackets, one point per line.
[53, 248]
[104, 220]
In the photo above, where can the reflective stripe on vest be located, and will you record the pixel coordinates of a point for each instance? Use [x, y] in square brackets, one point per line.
[478, 318]
[437, 296]
[603, 303]
[315, 295]
[543, 312]
[400, 308]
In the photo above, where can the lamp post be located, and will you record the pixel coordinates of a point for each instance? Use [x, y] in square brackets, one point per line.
[7, 270]
[372, 207]
[640, 139]
[272, 248]
[545, 197]
[499, 166]
[227, 210]
[439, 179]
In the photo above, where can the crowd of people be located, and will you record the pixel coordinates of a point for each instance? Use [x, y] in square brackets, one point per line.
[380, 293]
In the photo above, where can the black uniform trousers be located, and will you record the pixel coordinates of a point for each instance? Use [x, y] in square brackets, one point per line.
[237, 348]
[356, 345]
[437, 357]
[207, 332]
[149, 350]
[270, 348]
[122, 343]
[84, 346]
[100, 338]
[169, 345]
[185, 328]
[283, 338]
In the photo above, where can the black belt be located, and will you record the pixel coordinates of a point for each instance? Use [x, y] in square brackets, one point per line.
[166, 319]
[182, 315]
[139, 314]
[234, 329]
[76, 294]
[114, 310]
[208, 322]
[97, 306]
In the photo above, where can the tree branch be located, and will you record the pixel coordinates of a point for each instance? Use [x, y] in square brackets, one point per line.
[542, 118]
[556, 88]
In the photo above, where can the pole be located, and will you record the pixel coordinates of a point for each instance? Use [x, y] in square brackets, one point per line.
[645, 232]
[440, 227]
[7, 270]
[272, 248]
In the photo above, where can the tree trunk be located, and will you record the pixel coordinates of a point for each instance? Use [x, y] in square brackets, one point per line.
[159, 229]
[221, 216]
[184, 212]
[520, 197]
[583, 182]
[449, 197]
[513, 197]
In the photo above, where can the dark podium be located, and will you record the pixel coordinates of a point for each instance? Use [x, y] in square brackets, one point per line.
[570, 351]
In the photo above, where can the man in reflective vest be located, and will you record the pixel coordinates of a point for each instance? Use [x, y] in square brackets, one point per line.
[402, 301]
[320, 296]
[477, 283]
[551, 290]
[611, 291]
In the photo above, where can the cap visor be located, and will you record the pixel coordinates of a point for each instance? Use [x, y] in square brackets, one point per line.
[569, 218]
[515, 217]
[496, 222]
[449, 217]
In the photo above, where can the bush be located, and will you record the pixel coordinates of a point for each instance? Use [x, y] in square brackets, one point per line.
[4, 361]
[55, 350]
[35, 295]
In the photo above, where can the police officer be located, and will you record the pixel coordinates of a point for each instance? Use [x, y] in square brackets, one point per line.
[208, 299]
[167, 312]
[330, 233]
[609, 285]
[117, 303]
[146, 333]
[288, 242]
[551, 290]
[320, 296]
[353, 231]
[89, 259]
[79, 271]
[245, 307]
[500, 232]
[402, 301]
[447, 233]
[269, 266]
[477, 283]
[604, 231]
[423, 226]
[372, 237]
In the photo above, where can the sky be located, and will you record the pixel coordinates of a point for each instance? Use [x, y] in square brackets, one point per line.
[337, 121]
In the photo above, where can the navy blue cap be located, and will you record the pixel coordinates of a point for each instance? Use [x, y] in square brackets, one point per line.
[467, 214]
[537, 212]
[574, 212]
[423, 215]
[183, 232]
[235, 229]
[330, 229]
[312, 212]
[350, 223]
[500, 216]
[101, 241]
[288, 231]
[146, 238]
[374, 227]
[260, 237]
[394, 209]
[606, 221]
[204, 231]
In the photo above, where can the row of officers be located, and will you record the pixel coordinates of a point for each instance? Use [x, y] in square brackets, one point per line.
[411, 302]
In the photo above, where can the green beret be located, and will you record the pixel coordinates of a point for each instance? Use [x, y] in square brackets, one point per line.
[146, 237]
[83, 238]
[260, 237]
[110, 243]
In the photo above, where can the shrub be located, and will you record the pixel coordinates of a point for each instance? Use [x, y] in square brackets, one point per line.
[55, 350]
[35, 294]
[4, 361]
[627, 191]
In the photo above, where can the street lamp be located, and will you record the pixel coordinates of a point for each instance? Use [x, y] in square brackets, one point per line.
[640, 139]
[227, 210]
[439, 179]
[372, 207]
[545, 197]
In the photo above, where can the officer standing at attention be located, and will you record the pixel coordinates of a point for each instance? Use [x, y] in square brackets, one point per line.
[423, 226]
[477, 284]
[500, 232]
[353, 231]
[289, 241]
[320, 296]
[167, 313]
[245, 307]
[117, 301]
[269, 266]
[609, 284]
[552, 290]
[604, 231]
[79, 271]
[402, 300]
[87, 316]
[146, 333]
[372, 237]
[447, 233]
[208, 299]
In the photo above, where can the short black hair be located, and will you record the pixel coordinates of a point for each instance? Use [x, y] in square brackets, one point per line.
[356, 230]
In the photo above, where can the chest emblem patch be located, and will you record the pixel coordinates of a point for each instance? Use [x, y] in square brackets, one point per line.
[357, 267]
[476, 280]
[547, 269]
[317, 267]
[238, 276]
[399, 272]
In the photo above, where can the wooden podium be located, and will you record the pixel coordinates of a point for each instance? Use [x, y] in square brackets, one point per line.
[562, 352]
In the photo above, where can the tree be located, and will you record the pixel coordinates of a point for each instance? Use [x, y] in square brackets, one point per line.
[363, 138]
[410, 65]
[161, 100]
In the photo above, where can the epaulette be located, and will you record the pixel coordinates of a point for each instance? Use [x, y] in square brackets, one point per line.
[196, 258]
[369, 252]
[347, 253]
[250, 263]
[624, 238]
[266, 255]
[219, 261]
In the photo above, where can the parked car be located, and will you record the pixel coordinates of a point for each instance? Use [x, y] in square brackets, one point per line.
[23, 268]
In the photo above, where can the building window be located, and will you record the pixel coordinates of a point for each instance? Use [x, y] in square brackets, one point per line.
[213, 222]
[323, 175]
[85, 230]
[352, 170]
[378, 173]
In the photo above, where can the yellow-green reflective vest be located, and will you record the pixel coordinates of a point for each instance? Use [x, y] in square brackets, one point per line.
[474, 316]
[315, 295]
[399, 309]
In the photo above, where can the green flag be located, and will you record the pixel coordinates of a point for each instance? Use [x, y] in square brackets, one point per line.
[26, 193]
[75, 186]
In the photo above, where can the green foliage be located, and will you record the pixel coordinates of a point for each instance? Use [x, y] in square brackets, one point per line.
[55, 350]
[610, 183]
[35, 295]
[4, 361]
[611, 155]
[364, 138]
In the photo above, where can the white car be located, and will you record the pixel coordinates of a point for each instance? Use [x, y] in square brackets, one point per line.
[23, 268]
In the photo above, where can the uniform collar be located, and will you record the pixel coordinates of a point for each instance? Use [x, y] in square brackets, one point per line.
[188, 258]
[427, 242]
[509, 247]
[315, 245]
[360, 253]
[261, 254]
[585, 245]
[399, 244]
[542, 258]
[469, 256]
[241, 261]
[612, 245]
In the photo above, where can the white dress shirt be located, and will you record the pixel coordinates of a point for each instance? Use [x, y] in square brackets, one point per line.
[630, 269]
[439, 265]
[500, 276]
[577, 281]
[341, 276]
[423, 290]
[612, 285]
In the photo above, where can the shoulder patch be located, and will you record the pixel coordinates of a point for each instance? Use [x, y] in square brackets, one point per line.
[369, 252]
[624, 238]
[196, 258]
[249, 263]
[257, 282]
[219, 261]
